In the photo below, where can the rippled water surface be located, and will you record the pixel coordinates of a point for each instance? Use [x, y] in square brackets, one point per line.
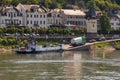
[61, 66]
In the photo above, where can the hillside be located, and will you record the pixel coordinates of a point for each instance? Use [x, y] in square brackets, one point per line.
[82, 4]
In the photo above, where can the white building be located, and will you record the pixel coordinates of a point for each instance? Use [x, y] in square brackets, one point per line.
[114, 16]
[74, 18]
[10, 16]
[39, 16]
[34, 15]
[54, 17]
[115, 22]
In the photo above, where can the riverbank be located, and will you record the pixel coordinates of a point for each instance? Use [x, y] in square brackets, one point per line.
[3, 50]
[103, 46]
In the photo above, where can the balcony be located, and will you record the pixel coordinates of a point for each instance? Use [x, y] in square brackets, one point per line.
[12, 24]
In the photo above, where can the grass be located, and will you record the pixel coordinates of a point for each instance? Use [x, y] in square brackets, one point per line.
[101, 45]
[117, 44]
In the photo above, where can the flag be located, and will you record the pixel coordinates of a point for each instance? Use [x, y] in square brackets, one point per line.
[69, 26]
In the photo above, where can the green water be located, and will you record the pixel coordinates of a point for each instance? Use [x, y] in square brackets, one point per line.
[61, 66]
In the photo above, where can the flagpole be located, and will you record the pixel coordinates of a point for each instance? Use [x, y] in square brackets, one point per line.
[69, 27]
[46, 36]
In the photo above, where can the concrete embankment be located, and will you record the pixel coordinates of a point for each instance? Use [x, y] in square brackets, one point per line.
[77, 48]
[89, 46]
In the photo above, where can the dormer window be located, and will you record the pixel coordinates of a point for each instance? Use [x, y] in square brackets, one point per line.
[27, 10]
[32, 10]
[20, 14]
[58, 15]
[4, 14]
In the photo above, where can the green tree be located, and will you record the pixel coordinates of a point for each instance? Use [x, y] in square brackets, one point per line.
[104, 22]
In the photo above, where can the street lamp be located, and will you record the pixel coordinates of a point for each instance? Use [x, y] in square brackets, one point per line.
[108, 32]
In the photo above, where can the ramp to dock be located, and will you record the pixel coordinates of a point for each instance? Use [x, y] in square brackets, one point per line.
[77, 48]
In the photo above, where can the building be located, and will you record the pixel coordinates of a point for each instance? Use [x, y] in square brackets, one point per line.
[73, 18]
[34, 15]
[114, 16]
[54, 17]
[91, 22]
[10, 16]
[39, 16]
[115, 22]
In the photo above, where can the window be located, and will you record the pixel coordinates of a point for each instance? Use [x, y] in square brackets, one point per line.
[34, 22]
[20, 14]
[32, 10]
[2, 21]
[58, 15]
[14, 15]
[17, 14]
[37, 16]
[40, 22]
[27, 22]
[15, 21]
[27, 15]
[93, 25]
[56, 21]
[40, 16]
[44, 22]
[44, 16]
[34, 16]
[31, 22]
[31, 15]
[20, 21]
[9, 14]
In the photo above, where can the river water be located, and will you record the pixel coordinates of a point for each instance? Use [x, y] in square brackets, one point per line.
[81, 65]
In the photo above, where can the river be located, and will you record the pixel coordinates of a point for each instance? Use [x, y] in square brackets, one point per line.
[79, 65]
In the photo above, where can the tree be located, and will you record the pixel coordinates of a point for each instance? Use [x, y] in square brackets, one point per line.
[104, 22]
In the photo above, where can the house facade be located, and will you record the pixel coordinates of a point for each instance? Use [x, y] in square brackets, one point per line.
[54, 17]
[39, 16]
[115, 22]
[73, 18]
[34, 15]
[10, 16]
[114, 16]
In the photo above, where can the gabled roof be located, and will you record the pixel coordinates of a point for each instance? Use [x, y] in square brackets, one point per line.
[28, 8]
[91, 14]
[73, 12]
[6, 9]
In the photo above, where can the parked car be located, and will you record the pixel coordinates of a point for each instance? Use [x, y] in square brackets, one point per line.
[102, 39]
[7, 34]
[17, 34]
[92, 40]
[115, 36]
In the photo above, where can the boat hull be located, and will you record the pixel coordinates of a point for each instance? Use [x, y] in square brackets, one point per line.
[30, 52]
[24, 52]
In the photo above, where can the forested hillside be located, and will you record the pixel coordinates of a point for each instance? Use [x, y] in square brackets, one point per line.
[82, 4]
